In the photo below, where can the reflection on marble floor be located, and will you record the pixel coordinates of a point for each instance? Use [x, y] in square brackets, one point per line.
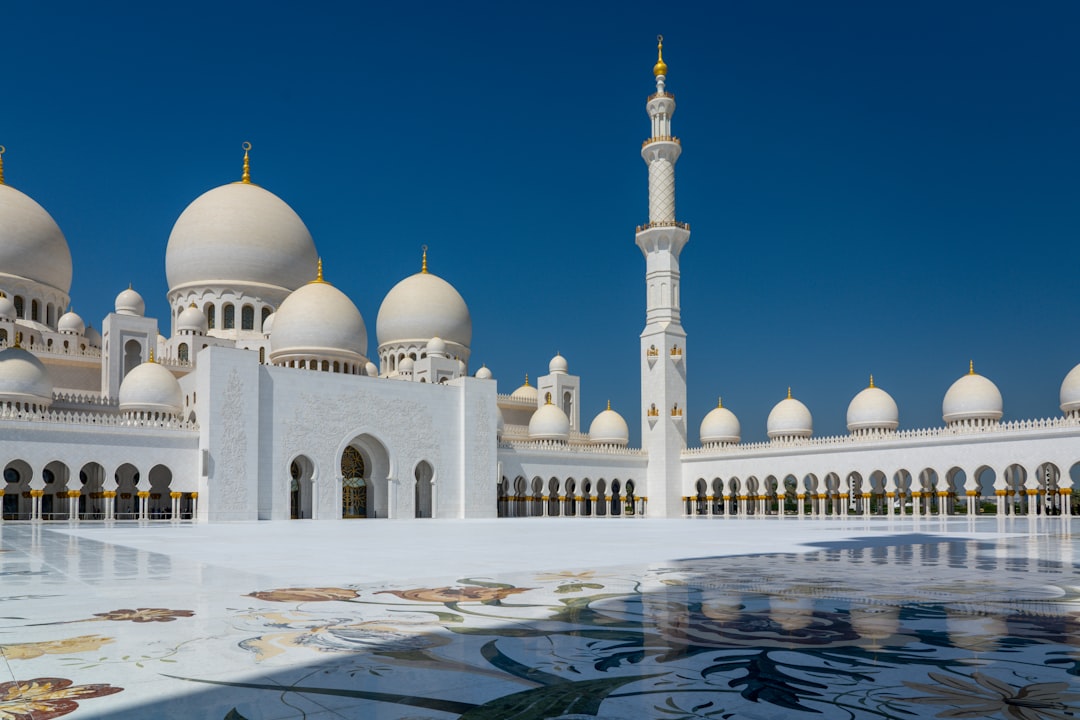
[889, 626]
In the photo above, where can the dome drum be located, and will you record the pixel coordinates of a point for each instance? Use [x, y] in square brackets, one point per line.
[34, 302]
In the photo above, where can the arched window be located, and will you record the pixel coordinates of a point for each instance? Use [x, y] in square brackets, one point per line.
[265, 314]
[262, 356]
[3, 337]
[211, 316]
[182, 352]
[35, 311]
[247, 318]
[20, 307]
[228, 317]
[568, 404]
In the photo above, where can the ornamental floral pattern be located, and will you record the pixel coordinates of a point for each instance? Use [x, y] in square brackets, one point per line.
[856, 631]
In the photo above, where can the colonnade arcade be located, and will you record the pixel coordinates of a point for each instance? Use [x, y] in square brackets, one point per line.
[58, 491]
[569, 497]
[1014, 490]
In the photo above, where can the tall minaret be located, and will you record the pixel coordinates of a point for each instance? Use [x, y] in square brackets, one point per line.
[663, 342]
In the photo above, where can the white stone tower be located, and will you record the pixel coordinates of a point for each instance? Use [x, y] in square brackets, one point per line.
[663, 342]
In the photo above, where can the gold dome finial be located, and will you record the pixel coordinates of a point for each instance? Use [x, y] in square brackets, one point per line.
[151, 358]
[526, 379]
[423, 260]
[318, 273]
[789, 392]
[871, 380]
[547, 399]
[609, 404]
[660, 68]
[971, 367]
[719, 402]
[2, 151]
[18, 340]
[246, 177]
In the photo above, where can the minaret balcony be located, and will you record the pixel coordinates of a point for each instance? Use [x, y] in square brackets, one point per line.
[662, 138]
[661, 95]
[663, 223]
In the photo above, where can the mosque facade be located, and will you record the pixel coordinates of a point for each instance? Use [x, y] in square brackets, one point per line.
[257, 398]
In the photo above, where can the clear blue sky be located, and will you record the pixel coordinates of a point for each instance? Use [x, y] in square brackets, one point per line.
[872, 188]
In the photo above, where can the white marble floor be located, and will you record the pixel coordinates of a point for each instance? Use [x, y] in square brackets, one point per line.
[541, 618]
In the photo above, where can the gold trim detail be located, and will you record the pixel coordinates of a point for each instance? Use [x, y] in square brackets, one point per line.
[246, 176]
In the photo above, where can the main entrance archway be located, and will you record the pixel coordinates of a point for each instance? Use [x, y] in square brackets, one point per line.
[365, 467]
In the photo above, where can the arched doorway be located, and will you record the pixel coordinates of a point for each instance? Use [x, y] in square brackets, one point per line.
[422, 495]
[92, 499]
[365, 473]
[354, 499]
[301, 470]
[127, 489]
[160, 500]
[17, 502]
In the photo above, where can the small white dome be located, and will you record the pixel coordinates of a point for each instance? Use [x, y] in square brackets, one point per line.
[192, 320]
[7, 309]
[872, 409]
[525, 392]
[790, 418]
[130, 302]
[93, 337]
[549, 422]
[318, 320]
[1070, 391]
[406, 365]
[371, 369]
[151, 388]
[484, 373]
[239, 233]
[609, 428]
[31, 244]
[420, 307]
[972, 397]
[720, 426]
[23, 378]
[70, 323]
[268, 324]
[436, 347]
[558, 365]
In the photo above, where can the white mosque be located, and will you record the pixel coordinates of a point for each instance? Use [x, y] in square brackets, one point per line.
[262, 402]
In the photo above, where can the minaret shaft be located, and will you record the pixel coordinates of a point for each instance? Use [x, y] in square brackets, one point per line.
[663, 341]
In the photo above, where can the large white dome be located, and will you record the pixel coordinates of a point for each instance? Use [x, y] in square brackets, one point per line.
[151, 388]
[549, 422]
[720, 426]
[872, 409]
[318, 320]
[23, 378]
[1070, 391]
[790, 418]
[420, 307]
[31, 244]
[609, 428]
[239, 233]
[972, 397]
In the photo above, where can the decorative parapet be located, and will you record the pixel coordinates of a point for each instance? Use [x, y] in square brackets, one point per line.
[86, 399]
[92, 419]
[903, 436]
[56, 350]
[565, 449]
[508, 400]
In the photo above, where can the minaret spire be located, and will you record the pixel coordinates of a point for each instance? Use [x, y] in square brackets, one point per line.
[246, 176]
